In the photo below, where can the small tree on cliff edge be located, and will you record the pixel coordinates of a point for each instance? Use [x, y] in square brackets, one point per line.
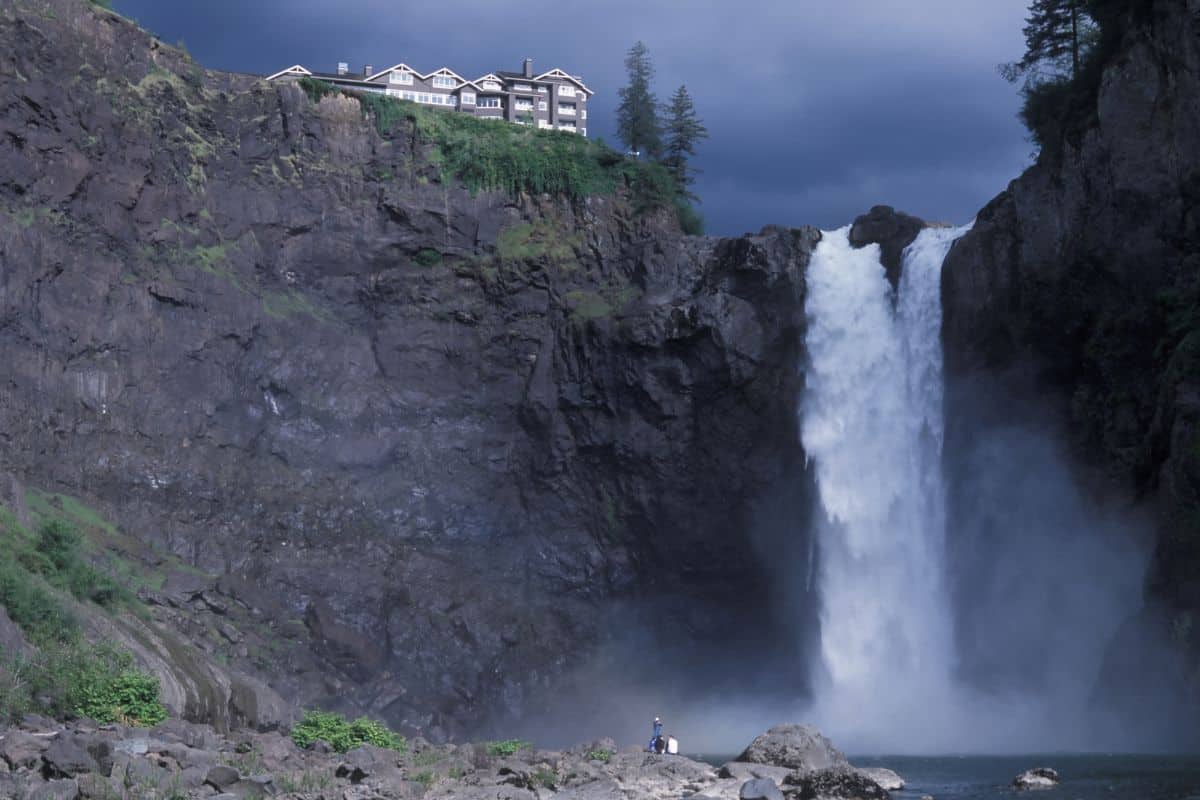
[637, 115]
[684, 131]
[1057, 32]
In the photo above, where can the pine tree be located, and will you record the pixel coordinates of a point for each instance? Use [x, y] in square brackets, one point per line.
[1056, 34]
[637, 114]
[684, 131]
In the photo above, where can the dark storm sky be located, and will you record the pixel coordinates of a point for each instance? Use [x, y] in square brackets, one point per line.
[817, 109]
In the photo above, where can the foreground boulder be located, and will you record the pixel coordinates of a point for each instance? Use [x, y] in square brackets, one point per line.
[797, 747]
[832, 783]
[1036, 778]
[886, 778]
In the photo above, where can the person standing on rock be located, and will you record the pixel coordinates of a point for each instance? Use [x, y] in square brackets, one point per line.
[657, 737]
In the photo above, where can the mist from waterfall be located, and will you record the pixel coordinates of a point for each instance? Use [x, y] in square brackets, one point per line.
[1053, 576]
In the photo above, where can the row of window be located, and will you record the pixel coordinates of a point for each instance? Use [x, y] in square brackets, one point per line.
[447, 82]
[428, 99]
[441, 81]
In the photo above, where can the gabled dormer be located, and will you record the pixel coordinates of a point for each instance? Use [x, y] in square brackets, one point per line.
[294, 71]
[446, 78]
[399, 75]
[490, 83]
[558, 75]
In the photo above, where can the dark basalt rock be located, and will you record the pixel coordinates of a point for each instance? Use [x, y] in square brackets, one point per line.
[212, 301]
[797, 747]
[892, 230]
[832, 783]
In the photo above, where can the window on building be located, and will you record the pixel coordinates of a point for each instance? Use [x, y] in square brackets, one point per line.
[491, 86]
[400, 77]
[543, 90]
[567, 126]
[542, 106]
[583, 131]
[583, 114]
[522, 87]
[566, 109]
[444, 81]
[566, 91]
[488, 102]
[524, 105]
[468, 97]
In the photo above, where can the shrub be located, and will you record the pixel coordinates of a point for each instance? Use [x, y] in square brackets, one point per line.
[58, 558]
[33, 607]
[690, 219]
[599, 755]
[427, 257]
[342, 734]
[508, 747]
[80, 680]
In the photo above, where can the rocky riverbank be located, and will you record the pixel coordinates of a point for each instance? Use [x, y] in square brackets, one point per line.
[43, 760]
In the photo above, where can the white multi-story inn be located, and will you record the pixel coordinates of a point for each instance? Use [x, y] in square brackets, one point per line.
[553, 99]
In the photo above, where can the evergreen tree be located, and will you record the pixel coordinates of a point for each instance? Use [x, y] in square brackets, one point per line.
[637, 114]
[684, 130]
[1056, 35]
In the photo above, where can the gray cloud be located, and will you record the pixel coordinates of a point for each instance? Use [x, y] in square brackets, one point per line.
[818, 109]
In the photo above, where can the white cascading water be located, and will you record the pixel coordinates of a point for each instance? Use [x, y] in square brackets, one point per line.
[871, 422]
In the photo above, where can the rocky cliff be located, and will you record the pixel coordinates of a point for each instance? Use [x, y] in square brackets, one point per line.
[450, 441]
[1082, 282]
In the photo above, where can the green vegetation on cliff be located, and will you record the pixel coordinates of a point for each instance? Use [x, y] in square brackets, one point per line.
[486, 155]
[1068, 45]
[62, 674]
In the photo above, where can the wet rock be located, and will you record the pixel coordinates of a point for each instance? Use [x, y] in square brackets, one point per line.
[64, 789]
[886, 778]
[760, 789]
[1037, 778]
[892, 230]
[797, 747]
[22, 750]
[66, 757]
[745, 770]
[222, 777]
[832, 783]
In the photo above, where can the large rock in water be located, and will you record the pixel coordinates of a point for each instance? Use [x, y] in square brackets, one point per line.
[798, 747]
[886, 778]
[1037, 778]
[892, 230]
[833, 783]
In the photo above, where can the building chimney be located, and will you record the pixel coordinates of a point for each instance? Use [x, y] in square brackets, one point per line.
[368, 71]
[343, 68]
[528, 71]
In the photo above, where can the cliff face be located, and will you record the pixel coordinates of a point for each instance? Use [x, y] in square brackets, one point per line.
[1084, 278]
[443, 434]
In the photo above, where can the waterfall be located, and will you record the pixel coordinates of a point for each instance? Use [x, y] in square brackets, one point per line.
[871, 422]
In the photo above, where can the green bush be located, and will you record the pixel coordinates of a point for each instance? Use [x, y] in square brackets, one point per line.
[508, 747]
[427, 257]
[59, 559]
[76, 679]
[342, 734]
[599, 755]
[32, 606]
